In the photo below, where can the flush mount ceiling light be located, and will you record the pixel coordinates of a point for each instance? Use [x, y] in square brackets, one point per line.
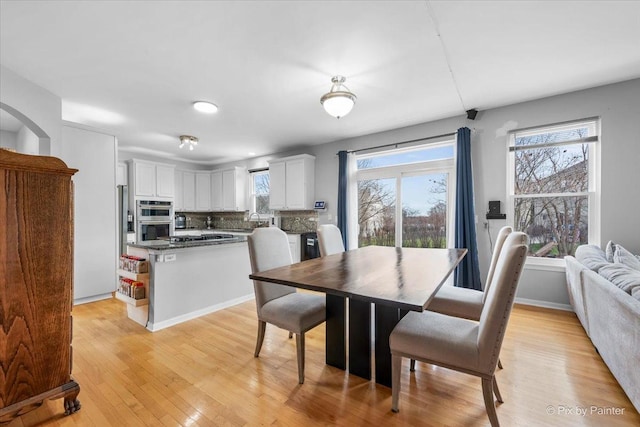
[205, 107]
[189, 140]
[338, 102]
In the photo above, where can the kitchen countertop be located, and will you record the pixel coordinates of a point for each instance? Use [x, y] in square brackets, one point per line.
[235, 231]
[162, 245]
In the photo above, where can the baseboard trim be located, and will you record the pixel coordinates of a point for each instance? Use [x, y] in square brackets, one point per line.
[153, 327]
[93, 298]
[544, 304]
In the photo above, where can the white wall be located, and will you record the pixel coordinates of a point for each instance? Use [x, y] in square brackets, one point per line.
[39, 105]
[95, 260]
[8, 139]
[617, 105]
[27, 142]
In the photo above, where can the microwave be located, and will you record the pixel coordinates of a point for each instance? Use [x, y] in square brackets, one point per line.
[154, 210]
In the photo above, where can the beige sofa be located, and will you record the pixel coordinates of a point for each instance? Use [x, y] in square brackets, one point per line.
[609, 315]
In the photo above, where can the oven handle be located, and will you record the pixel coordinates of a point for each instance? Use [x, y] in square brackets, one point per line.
[147, 222]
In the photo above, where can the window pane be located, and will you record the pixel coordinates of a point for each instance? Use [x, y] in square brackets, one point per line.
[405, 157]
[424, 211]
[261, 192]
[377, 212]
[558, 135]
[556, 225]
[562, 169]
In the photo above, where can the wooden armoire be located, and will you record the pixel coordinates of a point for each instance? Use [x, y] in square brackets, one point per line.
[36, 283]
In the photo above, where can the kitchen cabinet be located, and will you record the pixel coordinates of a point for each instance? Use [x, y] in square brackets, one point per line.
[294, 247]
[228, 189]
[137, 309]
[152, 180]
[178, 199]
[36, 289]
[216, 190]
[203, 191]
[188, 191]
[121, 174]
[292, 183]
[233, 189]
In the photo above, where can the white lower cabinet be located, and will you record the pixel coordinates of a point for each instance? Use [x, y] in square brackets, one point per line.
[294, 246]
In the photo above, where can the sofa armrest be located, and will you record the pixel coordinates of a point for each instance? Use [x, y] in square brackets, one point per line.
[614, 320]
[574, 273]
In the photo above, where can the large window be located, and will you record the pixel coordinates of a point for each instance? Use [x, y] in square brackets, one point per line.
[260, 192]
[405, 197]
[553, 186]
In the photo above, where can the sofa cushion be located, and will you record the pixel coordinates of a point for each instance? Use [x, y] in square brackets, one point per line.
[624, 277]
[623, 256]
[609, 251]
[591, 256]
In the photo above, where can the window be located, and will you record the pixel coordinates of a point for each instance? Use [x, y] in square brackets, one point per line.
[405, 197]
[553, 179]
[260, 192]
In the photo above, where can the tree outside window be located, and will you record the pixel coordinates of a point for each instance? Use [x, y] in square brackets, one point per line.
[551, 192]
[260, 192]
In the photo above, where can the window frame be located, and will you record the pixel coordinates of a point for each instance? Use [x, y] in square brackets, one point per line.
[593, 192]
[252, 195]
[397, 172]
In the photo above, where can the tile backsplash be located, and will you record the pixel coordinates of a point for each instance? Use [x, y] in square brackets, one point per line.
[295, 221]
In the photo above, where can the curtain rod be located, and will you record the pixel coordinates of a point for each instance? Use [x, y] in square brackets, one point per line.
[258, 170]
[395, 144]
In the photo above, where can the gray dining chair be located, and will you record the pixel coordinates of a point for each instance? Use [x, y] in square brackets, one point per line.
[464, 302]
[461, 344]
[329, 240]
[281, 305]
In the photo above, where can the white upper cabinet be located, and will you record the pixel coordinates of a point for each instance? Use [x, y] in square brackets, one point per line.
[189, 191]
[216, 190]
[277, 185]
[121, 174]
[233, 189]
[152, 180]
[202, 191]
[228, 189]
[165, 180]
[292, 183]
[178, 200]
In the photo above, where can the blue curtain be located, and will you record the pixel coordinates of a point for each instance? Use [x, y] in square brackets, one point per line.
[342, 196]
[467, 275]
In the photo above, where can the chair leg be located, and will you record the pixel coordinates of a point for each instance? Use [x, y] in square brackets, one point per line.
[412, 365]
[487, 392]
[496, 391]
[261, 328]
[500, 364]
[290, 334]
[300, 349]
[396, 367]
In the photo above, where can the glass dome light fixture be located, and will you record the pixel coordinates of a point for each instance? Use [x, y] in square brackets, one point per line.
[189, 140]
[205, 107]
[339, 101]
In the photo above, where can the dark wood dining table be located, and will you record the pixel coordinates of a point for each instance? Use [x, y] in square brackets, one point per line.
[394, 280]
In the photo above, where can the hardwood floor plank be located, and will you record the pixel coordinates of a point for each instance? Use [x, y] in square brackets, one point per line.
[203, 373]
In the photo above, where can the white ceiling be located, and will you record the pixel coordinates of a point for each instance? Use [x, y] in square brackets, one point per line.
[134, 68]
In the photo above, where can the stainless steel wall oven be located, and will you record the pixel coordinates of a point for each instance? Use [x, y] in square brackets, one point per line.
[154, 219]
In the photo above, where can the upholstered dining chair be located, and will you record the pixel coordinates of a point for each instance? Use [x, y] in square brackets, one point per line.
[281, 305]
[461, 344]
[329, 240]
[464, 302]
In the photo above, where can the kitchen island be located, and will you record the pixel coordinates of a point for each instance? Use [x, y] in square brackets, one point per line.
[188, 279]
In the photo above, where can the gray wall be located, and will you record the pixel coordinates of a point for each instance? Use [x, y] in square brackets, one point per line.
[617, 105]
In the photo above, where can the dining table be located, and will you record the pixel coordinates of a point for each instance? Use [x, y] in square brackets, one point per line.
[368, 290]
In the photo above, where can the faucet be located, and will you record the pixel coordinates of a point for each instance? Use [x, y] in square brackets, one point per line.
[256, 214]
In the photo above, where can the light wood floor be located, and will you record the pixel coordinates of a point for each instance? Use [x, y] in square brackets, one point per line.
[203, 373]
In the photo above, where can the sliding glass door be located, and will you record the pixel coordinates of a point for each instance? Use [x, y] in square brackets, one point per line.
[406, 203]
